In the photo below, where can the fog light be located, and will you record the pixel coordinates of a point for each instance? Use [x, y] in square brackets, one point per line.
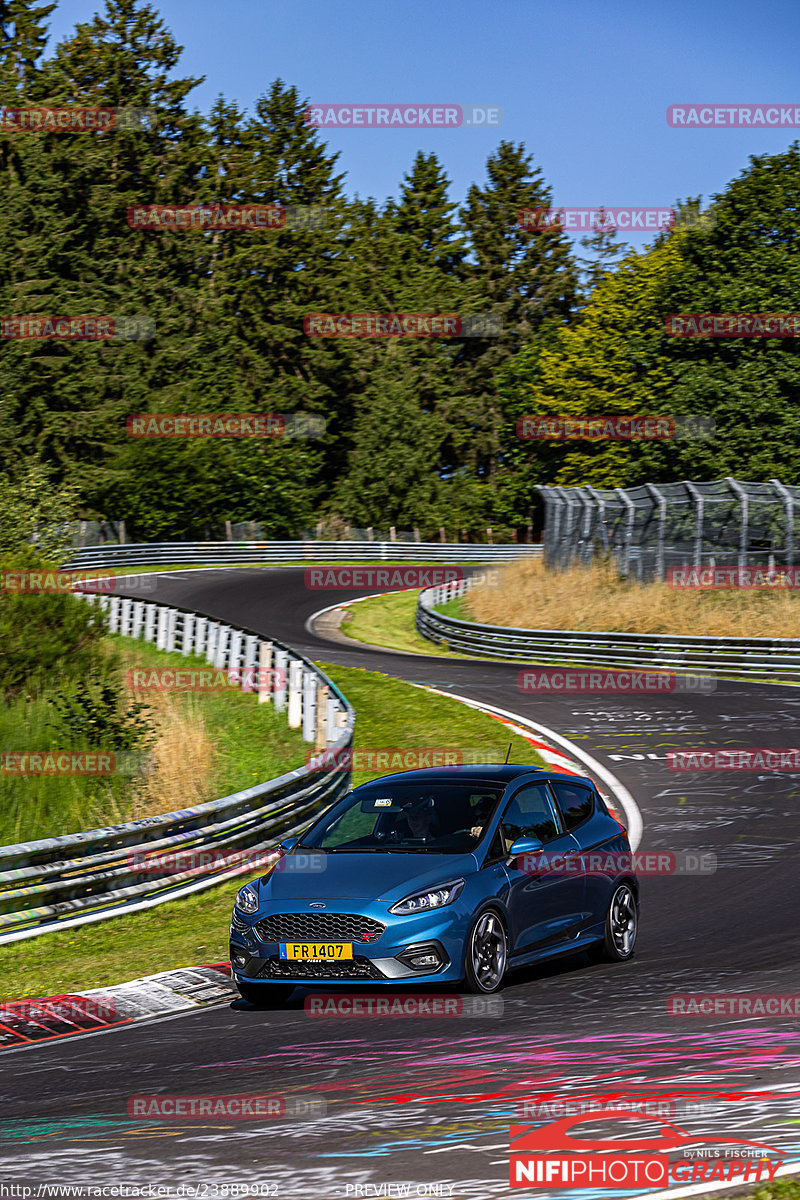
[424, 960]
[240, 959]
[426, 957]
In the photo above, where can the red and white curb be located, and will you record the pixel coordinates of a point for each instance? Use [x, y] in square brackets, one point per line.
[29, 1022]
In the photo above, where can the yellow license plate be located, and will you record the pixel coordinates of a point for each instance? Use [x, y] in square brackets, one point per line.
[316, 950]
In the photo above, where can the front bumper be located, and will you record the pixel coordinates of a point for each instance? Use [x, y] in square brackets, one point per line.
[383, 961]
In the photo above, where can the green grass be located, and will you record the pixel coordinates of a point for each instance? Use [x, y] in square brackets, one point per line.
[389, 621]
[456, 608]
[252, 743]
[781, 1189]
[390, 714]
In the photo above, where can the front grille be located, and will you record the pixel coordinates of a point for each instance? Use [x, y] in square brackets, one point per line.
[353, 968]
[319, 927]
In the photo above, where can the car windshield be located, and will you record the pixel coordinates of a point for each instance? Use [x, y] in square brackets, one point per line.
[415, 818]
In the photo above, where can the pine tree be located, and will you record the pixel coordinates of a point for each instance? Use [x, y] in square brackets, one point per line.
[525, 279]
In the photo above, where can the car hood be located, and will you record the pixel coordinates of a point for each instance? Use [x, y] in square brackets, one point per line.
[382, 876]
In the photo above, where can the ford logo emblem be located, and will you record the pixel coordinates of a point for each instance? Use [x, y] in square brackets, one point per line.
[317, 906]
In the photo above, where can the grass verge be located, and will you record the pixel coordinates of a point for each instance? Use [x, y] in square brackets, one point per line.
[206, 744]
[390, 713]
[528, 596]
[389, 621]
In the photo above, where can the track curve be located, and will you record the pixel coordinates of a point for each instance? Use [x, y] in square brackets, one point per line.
[431, 1106]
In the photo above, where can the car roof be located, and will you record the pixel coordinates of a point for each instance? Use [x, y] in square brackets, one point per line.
[497, 773]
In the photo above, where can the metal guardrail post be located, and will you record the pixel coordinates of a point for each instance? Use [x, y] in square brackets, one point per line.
[309, 706]
[138, 618]
[187, 637]
[321, 731]
[662, 520]
[567, 547]
[235, 654]
[223, 641]
[744, 523]
[295, 715]
[172, 618]
[631, 516]
[280, 680]
[266, 684]
[585, 544]
[788, 504]
[212, 632]
[161, 629]
[249, 683]
[697, 496]
[600, 505]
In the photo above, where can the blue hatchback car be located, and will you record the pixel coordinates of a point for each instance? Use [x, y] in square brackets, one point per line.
[453, 876]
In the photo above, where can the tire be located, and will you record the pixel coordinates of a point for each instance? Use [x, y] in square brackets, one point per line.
[264, 995]
[486, 956]
[621, 928]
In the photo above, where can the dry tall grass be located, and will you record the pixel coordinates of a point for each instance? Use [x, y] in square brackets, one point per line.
[182, 757]
[595, 598]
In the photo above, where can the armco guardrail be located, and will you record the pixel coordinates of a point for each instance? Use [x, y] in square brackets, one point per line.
[750, 658]
[219, 553]
[49, 884]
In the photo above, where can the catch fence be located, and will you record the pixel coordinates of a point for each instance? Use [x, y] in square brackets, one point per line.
[648, 529]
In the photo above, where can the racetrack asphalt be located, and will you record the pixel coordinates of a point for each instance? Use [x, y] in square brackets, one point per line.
[428, 1102]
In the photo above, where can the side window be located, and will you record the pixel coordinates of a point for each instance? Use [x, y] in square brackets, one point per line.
[530, 813]
[576, 803]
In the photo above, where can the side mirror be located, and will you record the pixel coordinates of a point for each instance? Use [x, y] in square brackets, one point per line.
[289, 844]
[525, 845]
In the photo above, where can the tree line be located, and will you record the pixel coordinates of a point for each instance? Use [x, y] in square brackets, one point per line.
[419, 432]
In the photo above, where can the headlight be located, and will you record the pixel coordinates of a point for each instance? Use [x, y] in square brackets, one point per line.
[433, 898]
[247, 899]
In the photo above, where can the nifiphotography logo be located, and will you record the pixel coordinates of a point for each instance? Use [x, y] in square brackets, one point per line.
[551, 1156]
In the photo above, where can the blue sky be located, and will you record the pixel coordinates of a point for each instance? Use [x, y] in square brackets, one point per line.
[584, 85]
